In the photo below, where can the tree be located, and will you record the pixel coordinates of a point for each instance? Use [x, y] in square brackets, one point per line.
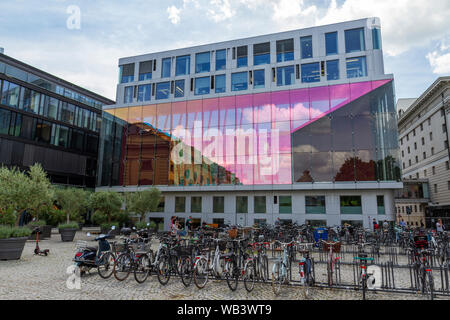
[107, 203]
[73, 201]
[143, 202]
[25, 192]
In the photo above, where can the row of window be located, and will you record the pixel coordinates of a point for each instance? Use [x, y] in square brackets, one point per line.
[31, 128]
[240, 81]
[433, 171]
[354, 42]
[444, 128]
[446, 146]
[313, 204]
[18, 97]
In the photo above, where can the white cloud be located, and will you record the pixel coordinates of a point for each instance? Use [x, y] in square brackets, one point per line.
[174, 14]
[220, 10]
[439, 59]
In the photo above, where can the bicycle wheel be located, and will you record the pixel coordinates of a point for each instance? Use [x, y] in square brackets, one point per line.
[186, 271]
[429, 285]
[330, 273]
[122, 266]
[163, 270]
[232, 275]
[249, 276]
[142, 268]
[276, 278]
[105, 266]
[264, 268]
[201, 273]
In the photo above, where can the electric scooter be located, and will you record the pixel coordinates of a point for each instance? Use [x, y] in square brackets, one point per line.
[37, 250]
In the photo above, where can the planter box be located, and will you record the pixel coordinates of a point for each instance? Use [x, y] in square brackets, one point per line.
[46, 232]
[11, 249]
[67, 235]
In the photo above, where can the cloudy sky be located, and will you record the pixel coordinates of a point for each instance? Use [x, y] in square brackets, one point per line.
[44, 33]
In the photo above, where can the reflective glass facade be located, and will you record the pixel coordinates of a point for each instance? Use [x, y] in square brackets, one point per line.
[338, 133]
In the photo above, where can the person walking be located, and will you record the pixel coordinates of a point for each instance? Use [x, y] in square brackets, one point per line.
[188, 223]
[439, 226]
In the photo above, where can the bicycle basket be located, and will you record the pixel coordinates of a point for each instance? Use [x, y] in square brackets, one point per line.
[118, 247]
[232, 233]
[336, 247]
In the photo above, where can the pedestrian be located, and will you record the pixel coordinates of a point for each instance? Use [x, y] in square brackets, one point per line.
[403, 224]
[439, 226]
[375, 225]
[189, 223]
[421, 224]
[385, 225]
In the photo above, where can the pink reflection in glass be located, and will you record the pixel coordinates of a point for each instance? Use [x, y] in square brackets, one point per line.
[281, 137]
[244, 170]
[149, 116]
[179, 114]
[194, 112]
[212, 139]
[262, 110]
[320, 101]
[227, 111]
[228, 140]
[280, 106]
[281, 166]
[339, 95]
[245, 140]
[359, 89]
[299, 104]
[211, 113]
[263, 170]
[298, 124]
[164, 116]
[263, 142]
[244, 109]
[379, 83]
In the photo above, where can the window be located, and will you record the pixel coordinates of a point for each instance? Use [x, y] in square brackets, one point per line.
[306, 47]
[331, 43]
[409, 150]
[179, 88]
[424, 156]
[425, 173]
[260, 204]
[285, 50]
[5, 117]
[431, 136]
[183, 65]
[202, 62]
[351, 205]
[285, 205]
[180, 204]
[241, 204]
[219, 221]
[356, 67]
[259, 81]
[423, 141]
[317, 223]
[144, 92]
[43, 131]
[127, 73]
[162, 90]
[380, 205]
[60, 136]
[354, 40]
[435, 188]
[221, 59]
[415, 145]
[446, 144]
[10, 94]
[448, 185]
[128, 96]
[421, 127]
[220, 83]
[196, 204]
[261, 54]
[239, 81]
[444, 128]
[285, 76]
[260, 222]
[145, 70]
[433, 169]
[165, 68]
[376, 38]
[432, 151]
[315, 204]
[447, 165]
[333, 70]
[311, 72]
[242, 56]
[202, 86]
[218, 204]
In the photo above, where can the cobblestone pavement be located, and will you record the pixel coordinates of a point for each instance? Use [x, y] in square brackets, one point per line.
[37, 277]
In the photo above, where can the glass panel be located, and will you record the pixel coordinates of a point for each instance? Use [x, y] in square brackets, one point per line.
[322, 166]
[43, 131]
[354, 40]
[239, 81]
[285, 50]
[165, 68]
[260, 59]
[310, 72]
[351, 205]
[128, 96]
[5, 117]
[285, 204]
[218, 204]
[365, 165]
[220, 83]
[202, 62]
[241, 204]
[149, 117]
[320, 101]
[280, 106]
[333, 70]
[162, 90]
[342, 133]
[344, 166]
[285, 76]
[179, 88]
[259, 81]
[331, 43]
[321, 135]
[282, 168]
[202, 85]
[315, 204]
[10, 94]
[194, 113]
[306, 47]
[376, 38]
[180, 204]
[179, 115]
[164, 117]
[356, 67]
[183, 65]
[144, 92]
[221, 59]
[196, 204]
[242, 62]
[260, 204]
[300, 104]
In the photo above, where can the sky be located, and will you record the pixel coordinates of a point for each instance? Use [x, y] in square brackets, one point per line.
[81, 41]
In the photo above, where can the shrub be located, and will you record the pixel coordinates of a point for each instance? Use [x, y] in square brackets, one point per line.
[70, 225]
[8, 217]
[7, 232]
[107, 226]
[37, 223]
[99, 218]
[141, 225]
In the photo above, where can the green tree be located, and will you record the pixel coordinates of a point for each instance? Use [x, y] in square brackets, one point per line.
[25, 192]
[106, 203]
[144, 201]
[74, 202]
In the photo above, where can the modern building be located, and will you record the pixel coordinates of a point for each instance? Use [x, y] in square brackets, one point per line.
[46, 120]
[411, 203]
[298, 125]
[424, 136]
